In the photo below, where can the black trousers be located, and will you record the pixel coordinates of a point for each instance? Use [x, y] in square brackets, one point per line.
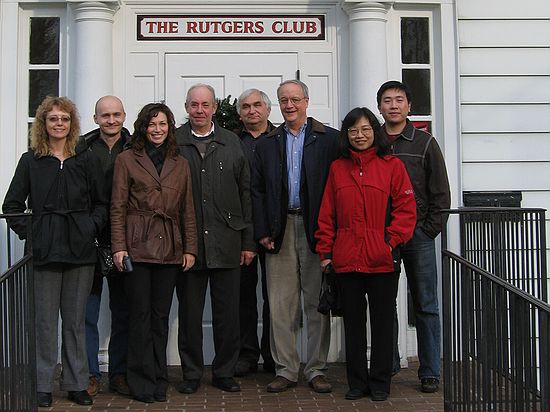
[149, 289]
[381, 290]
[248, 314]
[224, 295]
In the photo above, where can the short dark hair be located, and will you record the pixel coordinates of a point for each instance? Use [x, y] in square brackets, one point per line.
[380, 142]
[141, 124]
[393, 84]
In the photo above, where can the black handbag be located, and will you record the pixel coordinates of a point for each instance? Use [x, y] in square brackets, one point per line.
[329, 297]
[105, 263]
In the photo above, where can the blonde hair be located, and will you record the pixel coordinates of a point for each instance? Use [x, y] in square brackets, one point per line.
[39, 134]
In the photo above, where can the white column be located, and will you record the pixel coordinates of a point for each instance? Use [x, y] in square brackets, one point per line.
[368, 51]
[92, 70]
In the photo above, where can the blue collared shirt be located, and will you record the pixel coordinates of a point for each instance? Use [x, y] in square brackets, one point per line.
[294, 153]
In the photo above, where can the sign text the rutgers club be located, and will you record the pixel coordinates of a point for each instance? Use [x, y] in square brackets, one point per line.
[214, 27]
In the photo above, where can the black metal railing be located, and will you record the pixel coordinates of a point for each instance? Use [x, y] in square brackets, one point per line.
[509, 243]
[17, 346]
[496, 342]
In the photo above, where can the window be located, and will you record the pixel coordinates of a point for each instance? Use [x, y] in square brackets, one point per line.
[41, 47]
[416, 67]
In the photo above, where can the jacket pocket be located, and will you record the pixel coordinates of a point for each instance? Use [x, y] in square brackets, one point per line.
[233, 220]
[379, 256]
[345, 249]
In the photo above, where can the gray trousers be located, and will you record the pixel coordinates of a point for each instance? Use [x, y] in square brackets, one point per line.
[295, 270]
[64, 289]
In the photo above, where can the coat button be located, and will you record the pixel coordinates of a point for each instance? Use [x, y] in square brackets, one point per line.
[206, 232]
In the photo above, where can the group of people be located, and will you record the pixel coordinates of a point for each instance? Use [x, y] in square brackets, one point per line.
[198, 206]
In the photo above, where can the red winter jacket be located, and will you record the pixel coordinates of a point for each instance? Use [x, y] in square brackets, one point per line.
[352, 220]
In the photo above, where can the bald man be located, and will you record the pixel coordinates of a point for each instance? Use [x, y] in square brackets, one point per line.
[107, 142]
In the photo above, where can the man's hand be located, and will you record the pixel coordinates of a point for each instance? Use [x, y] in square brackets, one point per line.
[267, 242]
[247, 257]
[188, 261]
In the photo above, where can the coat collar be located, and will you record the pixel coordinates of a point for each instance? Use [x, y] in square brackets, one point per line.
[187, 136]
[407, 133]
[146, 162]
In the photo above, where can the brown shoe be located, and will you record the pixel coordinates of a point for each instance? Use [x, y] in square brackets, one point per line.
[280, 384]
[320, 384]
[93, 386]
[119, 385]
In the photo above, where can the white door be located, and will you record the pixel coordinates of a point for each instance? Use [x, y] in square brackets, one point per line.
[229, 74]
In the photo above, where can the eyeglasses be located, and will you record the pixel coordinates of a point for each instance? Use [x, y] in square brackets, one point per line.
[354, 131]
[55, 119]
[294, 100]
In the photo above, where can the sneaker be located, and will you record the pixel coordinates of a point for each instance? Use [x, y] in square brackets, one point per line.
[93, 386]
[429, 385]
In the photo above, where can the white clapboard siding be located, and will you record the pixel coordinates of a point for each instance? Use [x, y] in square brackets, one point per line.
[505, 89]
[483, 61]
[491, 118]
[504, 33]
[504, 176]
[498, 9]
[510, 147]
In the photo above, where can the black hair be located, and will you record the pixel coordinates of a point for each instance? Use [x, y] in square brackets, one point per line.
[393, 84]
[380, 142]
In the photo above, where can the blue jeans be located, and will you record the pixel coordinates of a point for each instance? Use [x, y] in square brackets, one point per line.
[118, 342]
[420, 266]
[92, 333]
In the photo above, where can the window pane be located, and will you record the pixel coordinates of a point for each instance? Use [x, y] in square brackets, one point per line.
[418, 81]
[44, 42]
[42, 83]
[415, 40]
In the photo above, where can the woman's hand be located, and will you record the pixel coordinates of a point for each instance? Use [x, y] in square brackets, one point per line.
[117, 258]
[325, 263]
[188, 261]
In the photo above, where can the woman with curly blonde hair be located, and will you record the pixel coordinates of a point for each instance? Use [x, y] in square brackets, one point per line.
[61, 182]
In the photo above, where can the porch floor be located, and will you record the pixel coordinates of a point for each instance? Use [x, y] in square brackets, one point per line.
[405, 396]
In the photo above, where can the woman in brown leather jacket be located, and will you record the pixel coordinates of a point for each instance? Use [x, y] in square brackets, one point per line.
[152, 222]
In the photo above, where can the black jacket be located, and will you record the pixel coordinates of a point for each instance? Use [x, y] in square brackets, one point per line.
[270, 180]
[107, 158]
[68, 202]
[425, 165]
[221, 194]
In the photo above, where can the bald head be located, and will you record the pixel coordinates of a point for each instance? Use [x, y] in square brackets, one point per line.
[109, 116]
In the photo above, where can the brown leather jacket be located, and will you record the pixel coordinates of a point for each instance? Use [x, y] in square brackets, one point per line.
[152, 217]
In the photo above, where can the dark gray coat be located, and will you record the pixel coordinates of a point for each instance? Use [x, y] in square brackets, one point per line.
[221, 193]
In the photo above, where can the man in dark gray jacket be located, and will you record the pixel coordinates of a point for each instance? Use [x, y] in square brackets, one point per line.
[425, 165]
[221, 193]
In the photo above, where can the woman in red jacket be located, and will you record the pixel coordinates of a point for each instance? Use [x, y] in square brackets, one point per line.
[368, 211]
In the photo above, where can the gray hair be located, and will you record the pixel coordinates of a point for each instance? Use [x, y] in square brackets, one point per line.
[249, 92]
[305, 90]
[196, 86]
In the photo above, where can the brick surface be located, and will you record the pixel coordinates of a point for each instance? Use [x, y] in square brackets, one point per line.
[405, 396]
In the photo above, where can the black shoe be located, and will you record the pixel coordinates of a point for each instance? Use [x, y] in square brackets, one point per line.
[44, 399]
[379, 396]
[145, 398]
[244, 368]
[160, 396]
[80, 397]
[190, 386]
[429, 385]
[354, 394]
[226, 384]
